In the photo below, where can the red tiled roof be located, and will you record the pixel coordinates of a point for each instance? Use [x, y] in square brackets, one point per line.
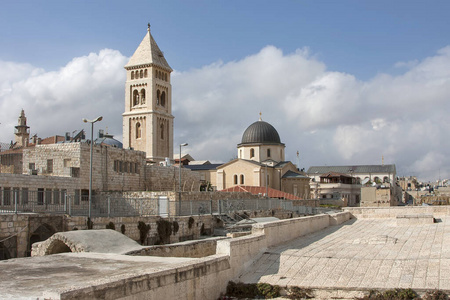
[260, 190]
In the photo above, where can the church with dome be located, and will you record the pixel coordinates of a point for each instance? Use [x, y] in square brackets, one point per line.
[260, 163]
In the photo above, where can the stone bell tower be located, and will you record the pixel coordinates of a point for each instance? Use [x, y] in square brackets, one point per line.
[22, 132]
[148, 119]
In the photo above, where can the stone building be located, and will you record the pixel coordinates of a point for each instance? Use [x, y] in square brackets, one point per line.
[336, 189]
[380, 176]
[261, 162]
[148, 119]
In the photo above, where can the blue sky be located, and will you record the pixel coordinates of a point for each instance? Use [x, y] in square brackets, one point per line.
[344, 82]
[358, 37]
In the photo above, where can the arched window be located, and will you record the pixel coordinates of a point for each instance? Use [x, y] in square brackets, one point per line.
[156, 73]
[141, 74]
[242, 178]
[160, 75]
[268, 152]
[165, 77]
[161, 127]
[163, 99]
[240, 153]
[386, 179]
[252, 153]
[158, 97]
[138, 130]
[145, 73]
[132, 75]
[143, 96]
[235, 179]
[135, 97]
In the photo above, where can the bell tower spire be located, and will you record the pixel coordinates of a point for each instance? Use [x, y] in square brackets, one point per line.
[148, 119]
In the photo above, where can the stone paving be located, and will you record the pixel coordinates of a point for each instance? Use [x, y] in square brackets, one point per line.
[361, 254]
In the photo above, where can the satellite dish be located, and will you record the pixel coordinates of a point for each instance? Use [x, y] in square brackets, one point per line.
[366, 180]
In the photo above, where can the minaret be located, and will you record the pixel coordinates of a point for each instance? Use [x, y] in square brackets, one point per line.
[22, 131]
[148, 119]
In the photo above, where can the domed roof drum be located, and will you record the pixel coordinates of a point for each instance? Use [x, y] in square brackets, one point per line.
[260, 132]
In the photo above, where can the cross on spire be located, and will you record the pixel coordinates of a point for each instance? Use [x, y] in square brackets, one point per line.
[260, 114]
[148, 29]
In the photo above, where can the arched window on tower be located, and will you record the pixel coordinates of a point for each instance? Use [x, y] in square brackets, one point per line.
[145, 73]
[242, 178]
[163, 99]
[235, 179]
[268, 152]
[138, 130]
[161, 127]
[132, 75]
[158, 97]
[165, 77]
[141, 74]
[252, 153]
[135, 98]
[143, 96]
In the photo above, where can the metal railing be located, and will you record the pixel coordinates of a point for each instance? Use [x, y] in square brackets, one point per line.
[58, 202]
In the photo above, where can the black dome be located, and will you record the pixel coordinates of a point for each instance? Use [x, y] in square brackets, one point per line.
[260, 132]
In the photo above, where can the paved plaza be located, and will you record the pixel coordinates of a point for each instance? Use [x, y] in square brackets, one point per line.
[361, 254]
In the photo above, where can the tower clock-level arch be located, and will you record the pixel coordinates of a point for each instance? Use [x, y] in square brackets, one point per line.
[148, 119]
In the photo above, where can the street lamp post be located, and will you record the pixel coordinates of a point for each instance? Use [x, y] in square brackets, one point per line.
[90, 161]
[179, 185]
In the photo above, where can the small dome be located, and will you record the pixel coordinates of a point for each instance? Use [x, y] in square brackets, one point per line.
[109, 141]
[260, 132]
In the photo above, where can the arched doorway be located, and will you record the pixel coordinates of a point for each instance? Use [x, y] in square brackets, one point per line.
[42, 233]
[4, 252]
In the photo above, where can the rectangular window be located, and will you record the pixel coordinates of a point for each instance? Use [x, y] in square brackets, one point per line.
[49, 165]
[76, 200]
[120, 166]
[31, 166]
[115, 165]
[7, 196]
[125, 167]
[56, 196]
[75, 172]
[136, 168]
[24, 196]
[48, 196]
[84, 195]
[63, 196]
[131, 167]
[40, 196]
[67, 163]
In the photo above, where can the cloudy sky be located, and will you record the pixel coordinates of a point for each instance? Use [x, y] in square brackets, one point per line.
[343, 82]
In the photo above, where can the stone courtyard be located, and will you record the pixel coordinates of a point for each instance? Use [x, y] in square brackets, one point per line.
[338, 256]
[361, 254]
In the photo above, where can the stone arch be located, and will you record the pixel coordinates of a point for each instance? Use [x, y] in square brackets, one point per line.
[57, 246]
[42, 233]
[135, 97]
[132, 74]
[145, 73]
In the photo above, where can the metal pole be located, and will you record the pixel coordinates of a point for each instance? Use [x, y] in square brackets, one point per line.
[15, 201]
[90, 170]
[179, 184]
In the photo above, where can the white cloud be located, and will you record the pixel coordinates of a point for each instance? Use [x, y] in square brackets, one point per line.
[330, 117]
[55, 102]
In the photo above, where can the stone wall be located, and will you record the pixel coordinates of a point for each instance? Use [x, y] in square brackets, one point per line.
[244, 250]
[394, 211]
[166, 178]
[374, 197]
